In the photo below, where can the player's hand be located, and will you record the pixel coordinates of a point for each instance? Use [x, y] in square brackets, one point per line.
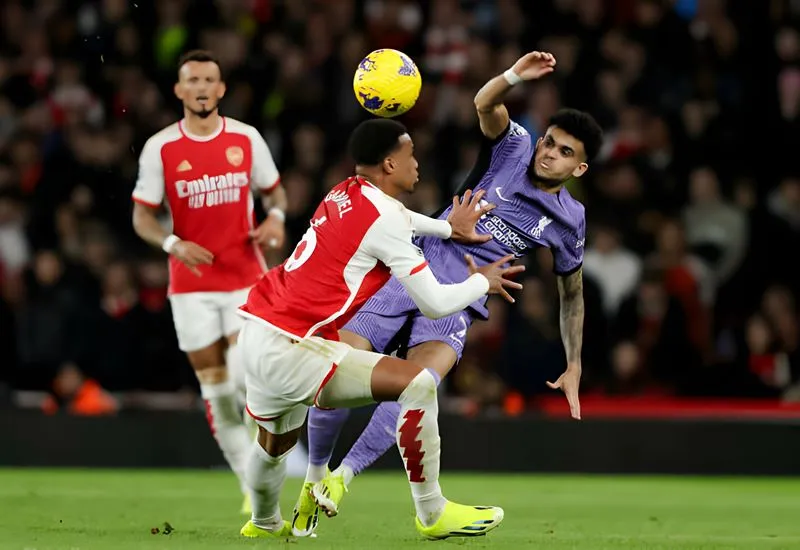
[465, 215]
[569, 383]
[270, 234]
[534, 65]
[191, 255]
[497, 273]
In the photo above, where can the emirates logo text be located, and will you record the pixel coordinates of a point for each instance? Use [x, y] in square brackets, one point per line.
[210, 191]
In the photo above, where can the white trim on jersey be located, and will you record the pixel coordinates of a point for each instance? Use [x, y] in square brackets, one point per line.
[217, 131]
[149, 188]
[264, 176]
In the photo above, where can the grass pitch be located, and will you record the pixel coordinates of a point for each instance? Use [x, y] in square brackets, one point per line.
[113, 509]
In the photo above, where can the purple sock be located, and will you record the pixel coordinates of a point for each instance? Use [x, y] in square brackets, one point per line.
[379, 435]
[323, 431]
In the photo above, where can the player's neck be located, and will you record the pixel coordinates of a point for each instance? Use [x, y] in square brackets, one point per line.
[547, 187]
[201, 127]
[391, 190]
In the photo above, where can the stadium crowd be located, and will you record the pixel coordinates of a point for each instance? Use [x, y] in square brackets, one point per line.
[693, 207]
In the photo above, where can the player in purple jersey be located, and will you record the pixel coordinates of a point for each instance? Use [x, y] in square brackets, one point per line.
[525, 181]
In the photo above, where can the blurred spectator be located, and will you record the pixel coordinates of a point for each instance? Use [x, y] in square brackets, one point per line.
[716, 230]
[615, 268]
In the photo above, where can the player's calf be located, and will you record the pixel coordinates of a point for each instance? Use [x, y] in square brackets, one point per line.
[265, 473]
[223, 412]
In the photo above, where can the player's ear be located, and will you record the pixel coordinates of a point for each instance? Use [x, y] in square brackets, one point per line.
[539, 142]
[580, 169]
[389, 165]
[177, 89]
[222, 89]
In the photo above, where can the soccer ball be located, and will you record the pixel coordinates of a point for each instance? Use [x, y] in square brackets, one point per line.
[387, 83]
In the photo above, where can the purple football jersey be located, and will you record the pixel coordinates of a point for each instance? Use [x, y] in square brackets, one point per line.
[525, 217]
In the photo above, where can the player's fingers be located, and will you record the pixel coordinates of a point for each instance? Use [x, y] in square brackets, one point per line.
[513, 270]
[470, 263]
[506, 296]
[511, 284]
[484, 209]
[456, 202]
[554, 385]
[482, 238]
[574, 404]
[476, 198]
[194, 270]
[467, 196]
[504, 260]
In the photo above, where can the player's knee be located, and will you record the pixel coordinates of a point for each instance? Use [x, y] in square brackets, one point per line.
[277, 446]
[421, 390]
[212, 375]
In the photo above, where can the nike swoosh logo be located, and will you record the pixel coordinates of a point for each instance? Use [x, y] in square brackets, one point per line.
[501, 197]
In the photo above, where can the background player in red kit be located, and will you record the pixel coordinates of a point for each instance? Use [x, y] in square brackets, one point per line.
[204, 166]
[359, 236]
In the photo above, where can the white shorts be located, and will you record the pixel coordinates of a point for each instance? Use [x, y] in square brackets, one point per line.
[202, 318]
[285, 376]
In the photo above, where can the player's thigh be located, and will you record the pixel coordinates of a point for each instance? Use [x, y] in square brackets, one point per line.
[439, 343]
[355, 341]
[382, 316]
[287, 424]
[197, 320]
[363, 377]
[230, 302]
[283, 374]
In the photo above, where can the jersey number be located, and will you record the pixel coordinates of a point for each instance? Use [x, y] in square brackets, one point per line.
[303, 250]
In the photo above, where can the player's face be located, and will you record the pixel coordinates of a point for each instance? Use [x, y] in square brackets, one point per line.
[200, 87]
[559, 156]
[404, 165]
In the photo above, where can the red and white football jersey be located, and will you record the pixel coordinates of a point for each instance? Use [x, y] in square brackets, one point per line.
[207, 182]
[358, 238]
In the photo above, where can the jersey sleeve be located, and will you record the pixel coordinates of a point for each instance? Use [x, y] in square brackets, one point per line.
[501, 156]
[424, 226]
[389, 240]
[149, 189]
[265, 176]
[568, 253]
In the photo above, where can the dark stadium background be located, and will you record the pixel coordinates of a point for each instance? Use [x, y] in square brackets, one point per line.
[693, 207]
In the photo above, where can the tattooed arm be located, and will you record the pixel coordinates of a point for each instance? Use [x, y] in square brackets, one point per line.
[570, 291]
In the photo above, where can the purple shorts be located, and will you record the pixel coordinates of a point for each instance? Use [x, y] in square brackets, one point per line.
[383, 315]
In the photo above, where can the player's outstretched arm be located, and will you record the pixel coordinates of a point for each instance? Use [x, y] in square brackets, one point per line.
[436, 300]
[492, 114]
[570, 291]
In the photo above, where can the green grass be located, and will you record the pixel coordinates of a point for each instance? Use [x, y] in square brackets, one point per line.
[112, 509]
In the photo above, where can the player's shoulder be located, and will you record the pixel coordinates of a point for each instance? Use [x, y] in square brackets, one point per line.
[167, 135]
[387, 207]
[515, 129]
[575, 209]
[233, 126]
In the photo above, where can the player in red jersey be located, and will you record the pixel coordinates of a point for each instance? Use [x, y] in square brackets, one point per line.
[204, 166]
[359, 236]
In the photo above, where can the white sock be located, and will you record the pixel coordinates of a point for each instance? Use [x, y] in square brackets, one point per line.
[420, 445]
[346, 472]
[316, 472]
[226, 422]
[265, 474]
